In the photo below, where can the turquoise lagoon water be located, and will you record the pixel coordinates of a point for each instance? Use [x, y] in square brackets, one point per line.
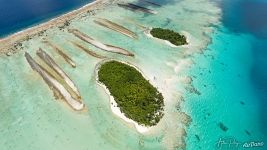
[227, 95]
[231, 80]
[31, 118]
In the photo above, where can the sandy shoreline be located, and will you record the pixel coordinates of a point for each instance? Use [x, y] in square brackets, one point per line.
[8, 44]
[113, 104]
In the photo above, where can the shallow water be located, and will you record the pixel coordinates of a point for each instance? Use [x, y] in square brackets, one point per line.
[31, 118]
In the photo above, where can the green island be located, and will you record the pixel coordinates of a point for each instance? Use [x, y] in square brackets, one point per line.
[169, 35]
[134, 95]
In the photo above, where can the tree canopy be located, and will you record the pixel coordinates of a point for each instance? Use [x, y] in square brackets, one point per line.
[166, 34]
[135, 96]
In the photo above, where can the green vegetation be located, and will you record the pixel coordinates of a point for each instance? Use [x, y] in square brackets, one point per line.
[166, 34]
[135, 96]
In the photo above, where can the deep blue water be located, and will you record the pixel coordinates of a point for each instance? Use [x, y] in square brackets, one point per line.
[250, 17]
[16, 15]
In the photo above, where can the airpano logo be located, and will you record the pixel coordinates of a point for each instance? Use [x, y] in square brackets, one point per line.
[230, 143]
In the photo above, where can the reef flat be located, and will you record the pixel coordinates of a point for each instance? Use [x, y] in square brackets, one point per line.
[35, 116]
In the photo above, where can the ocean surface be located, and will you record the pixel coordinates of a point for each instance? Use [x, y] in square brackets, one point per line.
[16, 15]
[219, 80]
[231, 76]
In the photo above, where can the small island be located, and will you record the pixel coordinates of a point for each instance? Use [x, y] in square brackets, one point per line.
[135, 96]
[169, 35]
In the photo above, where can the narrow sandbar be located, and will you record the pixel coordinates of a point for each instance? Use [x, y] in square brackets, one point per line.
[54, 84]
[100, 45]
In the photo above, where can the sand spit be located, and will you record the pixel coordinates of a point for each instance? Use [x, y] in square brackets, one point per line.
[54, 84]
[113, 105]
[62, 54]
[91, 53]
[134, 7]
[151, 3]
[116, 27]
[100, 45]
[9, 43]
[52, 64]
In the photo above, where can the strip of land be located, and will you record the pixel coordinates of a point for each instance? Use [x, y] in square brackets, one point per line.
[100, 45]
[89, 52]
[151, 3]
[116, 27]
[133, 7]
[9, 43]
[62, 54]
[55, 86]
[52, 64]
